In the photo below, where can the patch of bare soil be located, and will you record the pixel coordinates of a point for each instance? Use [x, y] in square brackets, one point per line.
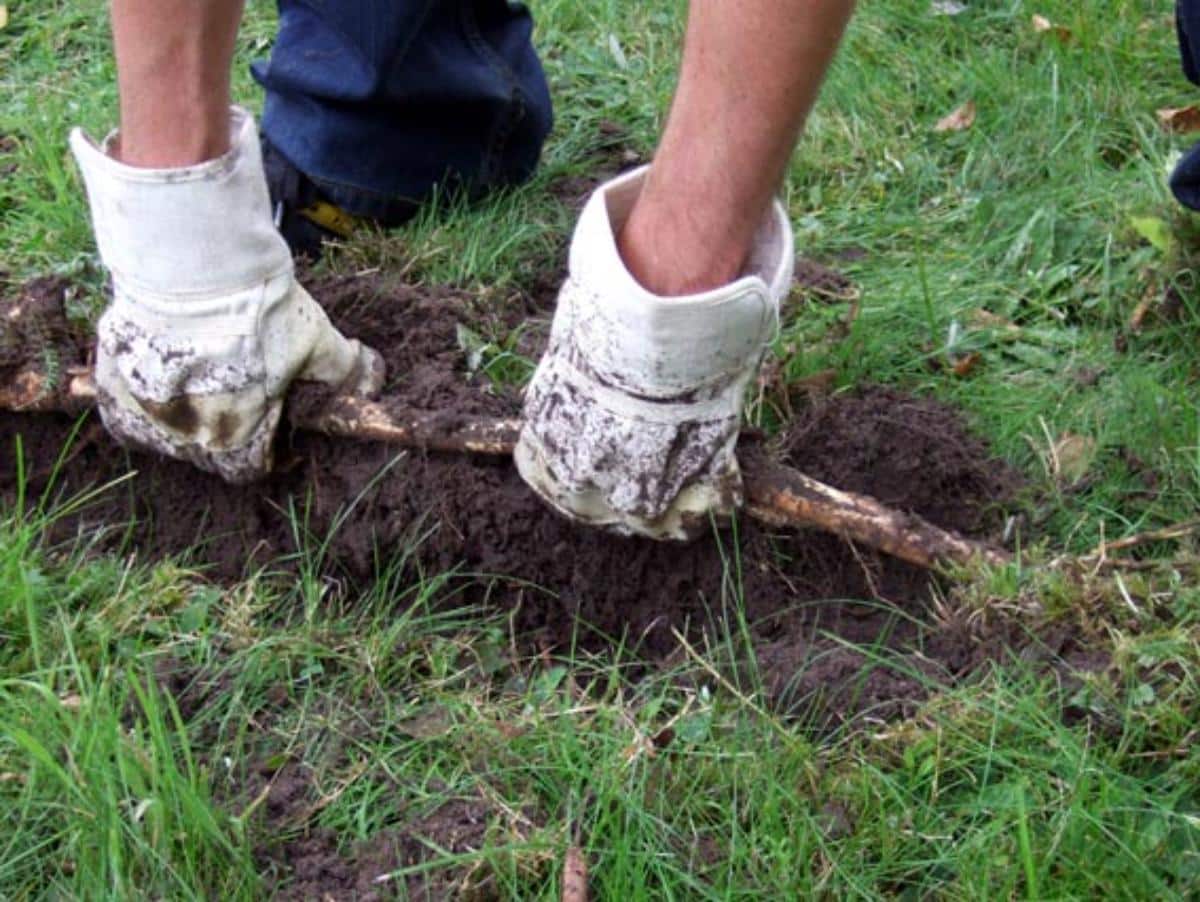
[475, 514]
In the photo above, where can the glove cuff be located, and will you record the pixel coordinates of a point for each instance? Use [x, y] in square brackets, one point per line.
[673, 346]
[191, 233]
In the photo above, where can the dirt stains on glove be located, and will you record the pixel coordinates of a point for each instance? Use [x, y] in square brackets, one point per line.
[632, 417]
[178, 414]
[639, 463]
[208, 326]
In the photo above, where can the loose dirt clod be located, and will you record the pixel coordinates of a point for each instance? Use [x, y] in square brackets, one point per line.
[34, 330]
[563, 586]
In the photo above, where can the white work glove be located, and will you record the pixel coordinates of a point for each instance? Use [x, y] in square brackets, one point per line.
[207, 326]
[632, 417]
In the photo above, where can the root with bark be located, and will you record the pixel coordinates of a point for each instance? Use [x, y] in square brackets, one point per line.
[775, 494]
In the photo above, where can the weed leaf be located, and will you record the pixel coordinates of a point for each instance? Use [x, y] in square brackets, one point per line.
[1155, 231]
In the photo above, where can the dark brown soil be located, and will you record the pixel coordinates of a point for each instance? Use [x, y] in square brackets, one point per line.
[476, 515]
[34, 328]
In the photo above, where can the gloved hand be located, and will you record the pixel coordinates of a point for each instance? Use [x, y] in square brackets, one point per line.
[632, 417]
[207, 326]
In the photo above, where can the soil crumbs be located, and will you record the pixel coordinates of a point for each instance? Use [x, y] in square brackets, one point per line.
[806, 595]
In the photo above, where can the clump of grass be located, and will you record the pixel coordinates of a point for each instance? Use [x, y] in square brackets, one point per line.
[100, 792]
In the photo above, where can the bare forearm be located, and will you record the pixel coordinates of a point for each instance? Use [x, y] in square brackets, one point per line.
[173, 63]
[750, 75]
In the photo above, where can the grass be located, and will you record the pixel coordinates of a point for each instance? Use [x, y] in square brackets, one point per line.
[149, 718]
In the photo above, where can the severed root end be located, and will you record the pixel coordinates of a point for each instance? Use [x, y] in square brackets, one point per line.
[781, 496]
[32, 391]
[574, 876]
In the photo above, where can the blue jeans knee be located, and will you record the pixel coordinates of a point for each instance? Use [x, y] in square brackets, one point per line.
[1185, 180]
[380, 102]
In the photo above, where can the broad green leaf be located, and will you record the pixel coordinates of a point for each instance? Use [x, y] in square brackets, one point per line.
[1155, 231]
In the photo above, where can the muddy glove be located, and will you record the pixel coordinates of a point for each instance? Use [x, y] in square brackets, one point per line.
[632, 416]
[207, 325]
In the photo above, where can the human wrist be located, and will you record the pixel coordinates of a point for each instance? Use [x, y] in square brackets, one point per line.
[681, 243]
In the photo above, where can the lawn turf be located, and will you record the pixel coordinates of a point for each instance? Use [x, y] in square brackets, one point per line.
[161, 735]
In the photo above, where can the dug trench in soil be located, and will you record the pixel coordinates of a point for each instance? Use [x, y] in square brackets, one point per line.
[474, 514]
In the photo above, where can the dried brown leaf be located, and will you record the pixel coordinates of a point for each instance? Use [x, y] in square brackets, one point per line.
[510, 730]
[985, 319]
[1141, 311]
[1180, 120]
[429, 724]
[960, 120]
[1042, 25]
[641, 747]
[1158, 304]
[966, 365]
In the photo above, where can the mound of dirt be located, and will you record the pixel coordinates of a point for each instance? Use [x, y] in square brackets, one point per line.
[563, 584]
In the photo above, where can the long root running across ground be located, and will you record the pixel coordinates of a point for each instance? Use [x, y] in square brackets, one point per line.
[470, 513]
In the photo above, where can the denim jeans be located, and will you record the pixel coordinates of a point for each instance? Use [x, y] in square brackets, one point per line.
[1185, 180]
[379, 101]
